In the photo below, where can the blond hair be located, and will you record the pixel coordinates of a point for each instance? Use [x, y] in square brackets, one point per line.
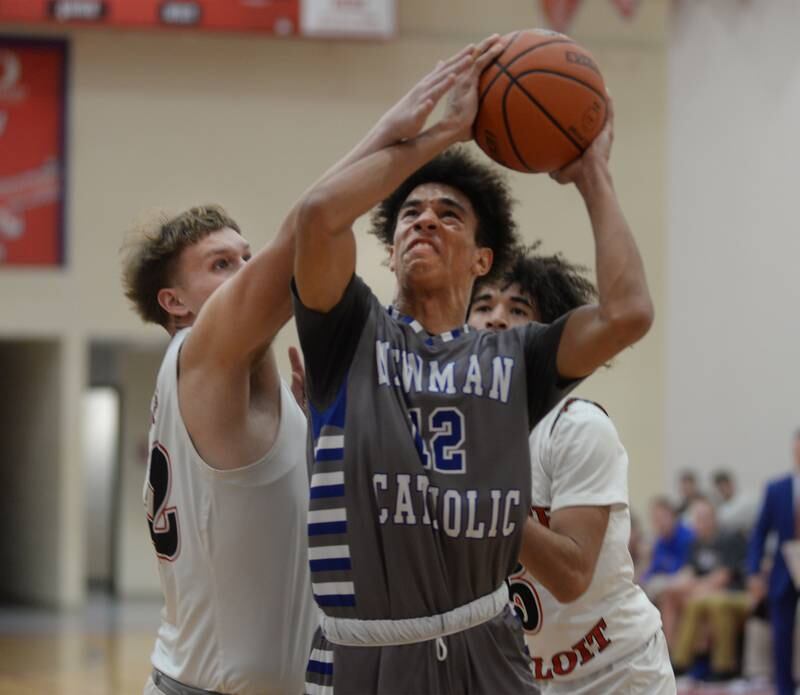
[152, 249]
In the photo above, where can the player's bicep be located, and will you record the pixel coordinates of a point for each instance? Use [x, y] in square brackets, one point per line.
[324, 262]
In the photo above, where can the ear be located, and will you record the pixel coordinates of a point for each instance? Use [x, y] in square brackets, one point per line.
[170, 302]
[482, 262]
[391, 258]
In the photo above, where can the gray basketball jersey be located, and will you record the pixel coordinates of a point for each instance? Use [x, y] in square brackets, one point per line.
[419, 457]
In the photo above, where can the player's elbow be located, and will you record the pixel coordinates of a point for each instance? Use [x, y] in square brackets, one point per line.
[313, 214]
[573, 585]
[632, 321]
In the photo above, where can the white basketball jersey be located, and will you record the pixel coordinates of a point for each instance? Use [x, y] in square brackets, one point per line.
[577, 459]
[238, 614]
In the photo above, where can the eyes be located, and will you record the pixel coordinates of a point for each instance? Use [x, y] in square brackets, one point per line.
[410, 213]
[224, 263]
[513, 311]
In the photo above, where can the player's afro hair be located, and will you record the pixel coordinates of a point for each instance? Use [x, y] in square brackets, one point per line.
[555, 285]
[486, 190]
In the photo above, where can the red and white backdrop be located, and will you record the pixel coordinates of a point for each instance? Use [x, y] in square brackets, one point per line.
[32, 151]
[559, 13]
[329, 18]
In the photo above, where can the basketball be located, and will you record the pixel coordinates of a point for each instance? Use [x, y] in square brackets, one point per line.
[542, 102]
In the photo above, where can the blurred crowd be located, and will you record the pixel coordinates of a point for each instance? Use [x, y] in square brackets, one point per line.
[719, 566]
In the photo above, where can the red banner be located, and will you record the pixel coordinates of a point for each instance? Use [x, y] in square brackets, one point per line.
[32, 164]
[272, 16]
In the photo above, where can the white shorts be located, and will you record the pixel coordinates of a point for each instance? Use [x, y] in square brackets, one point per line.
[645, 672]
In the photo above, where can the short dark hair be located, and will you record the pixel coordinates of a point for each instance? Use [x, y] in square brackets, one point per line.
[688, 475]
[664, 502]
[486, 190]
[152, 250]
[721, 476]
[555, 285]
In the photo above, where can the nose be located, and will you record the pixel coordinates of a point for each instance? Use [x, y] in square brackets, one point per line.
[426, 220]
[498, 320]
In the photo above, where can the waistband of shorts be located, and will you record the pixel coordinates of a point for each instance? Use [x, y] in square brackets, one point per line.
[352, 632]
[169, 686]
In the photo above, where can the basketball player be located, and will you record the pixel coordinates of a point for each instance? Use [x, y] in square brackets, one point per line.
[590, 629]
[226, 494]
[421, 471]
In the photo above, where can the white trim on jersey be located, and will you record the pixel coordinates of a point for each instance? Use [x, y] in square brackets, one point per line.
[333, 589]
[328, 552]
[324, 516]
[325, 479]
[324, 656]
[329, 441]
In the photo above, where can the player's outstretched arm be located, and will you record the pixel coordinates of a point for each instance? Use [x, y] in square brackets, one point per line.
[256, 303]
[325, 258]
[624, 313]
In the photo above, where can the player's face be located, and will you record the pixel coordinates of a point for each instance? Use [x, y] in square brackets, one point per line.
[434, 240]
[497, 308]
[703, 519]
[203, 267]
[663, 521]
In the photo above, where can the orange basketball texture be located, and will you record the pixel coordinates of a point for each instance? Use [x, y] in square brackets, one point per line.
[542, 102]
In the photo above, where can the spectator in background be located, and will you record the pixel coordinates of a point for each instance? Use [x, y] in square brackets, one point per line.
[671, 549]
[736, 511]
[688, 491]
[780, 514]
[637, 547]
[707, 602]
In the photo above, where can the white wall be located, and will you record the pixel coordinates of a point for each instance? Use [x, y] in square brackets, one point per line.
[732, 329]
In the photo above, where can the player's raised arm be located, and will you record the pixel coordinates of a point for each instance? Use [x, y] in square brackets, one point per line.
[624, 312]
[326, 257]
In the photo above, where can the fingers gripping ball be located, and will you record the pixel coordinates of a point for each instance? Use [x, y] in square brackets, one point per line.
[542, 102]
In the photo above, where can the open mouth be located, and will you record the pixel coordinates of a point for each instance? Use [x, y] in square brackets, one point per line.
[417, 243]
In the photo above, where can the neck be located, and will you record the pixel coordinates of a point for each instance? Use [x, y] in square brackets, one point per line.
[438, 311]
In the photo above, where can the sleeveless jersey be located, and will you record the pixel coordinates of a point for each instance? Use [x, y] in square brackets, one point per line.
[420, 468]
[238, 615]
[577, 459]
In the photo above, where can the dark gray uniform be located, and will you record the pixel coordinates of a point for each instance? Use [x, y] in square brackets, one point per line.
[420, 486]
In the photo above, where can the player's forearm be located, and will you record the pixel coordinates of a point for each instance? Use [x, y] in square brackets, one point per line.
[556, 561]
[342, 197]
[624, 297]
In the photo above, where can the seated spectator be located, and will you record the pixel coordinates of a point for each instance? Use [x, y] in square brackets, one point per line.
[707, 601]
[736, 511]
[671, 549]
[688, 491]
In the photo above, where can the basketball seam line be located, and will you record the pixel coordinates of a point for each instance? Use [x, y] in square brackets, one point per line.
[514, 60]
[547, 114]
[544, 71]
[508, 130]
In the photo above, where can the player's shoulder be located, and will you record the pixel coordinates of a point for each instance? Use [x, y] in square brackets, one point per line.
[574, 411]
[582, 419]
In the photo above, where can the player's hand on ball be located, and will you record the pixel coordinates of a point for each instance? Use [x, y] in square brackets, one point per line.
[462, 102]
[597, 153]
[407, 117]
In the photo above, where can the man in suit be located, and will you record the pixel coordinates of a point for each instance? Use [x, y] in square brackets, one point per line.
[780, 514]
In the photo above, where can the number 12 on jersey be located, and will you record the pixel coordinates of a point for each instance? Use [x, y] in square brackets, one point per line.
[443, 448]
